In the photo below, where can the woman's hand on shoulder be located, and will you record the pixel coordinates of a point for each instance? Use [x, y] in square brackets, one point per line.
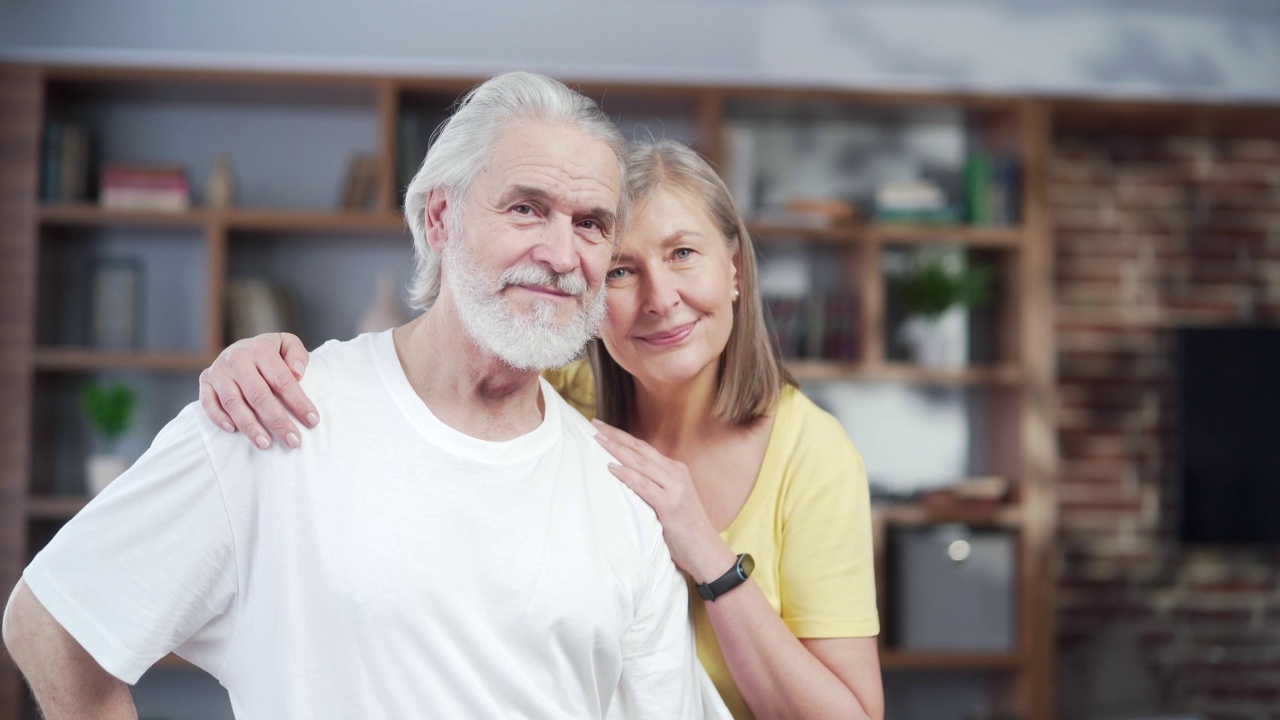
[253, 385]
[668, 487]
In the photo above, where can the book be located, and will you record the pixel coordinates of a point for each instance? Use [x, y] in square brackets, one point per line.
[360, 188]
[143, 187]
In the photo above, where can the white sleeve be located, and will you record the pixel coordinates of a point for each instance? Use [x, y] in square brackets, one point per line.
[662, 678]
[149, 565]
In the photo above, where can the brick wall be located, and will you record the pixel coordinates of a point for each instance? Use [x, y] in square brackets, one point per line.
[1150, 233]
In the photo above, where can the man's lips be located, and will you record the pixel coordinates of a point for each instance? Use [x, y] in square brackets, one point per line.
[669, 337]
[543, 290]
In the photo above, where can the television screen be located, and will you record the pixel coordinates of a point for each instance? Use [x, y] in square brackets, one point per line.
[1228, 386]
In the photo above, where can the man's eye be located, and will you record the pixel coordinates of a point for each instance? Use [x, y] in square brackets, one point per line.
[523, 209]
[591, 225]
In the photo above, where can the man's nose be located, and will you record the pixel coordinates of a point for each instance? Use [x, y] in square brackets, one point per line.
[557, 248]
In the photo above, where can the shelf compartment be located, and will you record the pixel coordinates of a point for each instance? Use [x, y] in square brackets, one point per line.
[291, 221]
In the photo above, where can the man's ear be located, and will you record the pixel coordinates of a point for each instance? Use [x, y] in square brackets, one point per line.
[435, 214]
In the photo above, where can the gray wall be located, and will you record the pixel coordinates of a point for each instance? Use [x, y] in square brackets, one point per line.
[1169, 48]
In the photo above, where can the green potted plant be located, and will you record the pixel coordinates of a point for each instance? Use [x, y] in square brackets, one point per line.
[109, 409]
[936, 288]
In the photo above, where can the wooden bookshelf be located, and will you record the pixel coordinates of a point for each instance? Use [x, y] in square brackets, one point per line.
[1021, 381]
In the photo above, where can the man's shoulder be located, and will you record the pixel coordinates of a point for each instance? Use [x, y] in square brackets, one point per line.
[343, 362]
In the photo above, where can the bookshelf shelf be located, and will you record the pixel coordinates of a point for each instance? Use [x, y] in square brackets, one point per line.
[909, 660]
[824, 370]
[968, 235]
[54, 508]
[888, 233]
[918, 515]
[249, 220]
[86, 215]
[84, 360]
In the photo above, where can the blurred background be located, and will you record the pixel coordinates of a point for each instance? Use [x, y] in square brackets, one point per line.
[1027, 251]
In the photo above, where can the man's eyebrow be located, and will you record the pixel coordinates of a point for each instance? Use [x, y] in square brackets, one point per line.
[526, 192]
[607, 217]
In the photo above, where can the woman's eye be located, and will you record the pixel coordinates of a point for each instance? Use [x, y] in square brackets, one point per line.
[616, 273]
[683, 253]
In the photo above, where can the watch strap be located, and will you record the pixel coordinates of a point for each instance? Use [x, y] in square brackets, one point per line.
[735, 576]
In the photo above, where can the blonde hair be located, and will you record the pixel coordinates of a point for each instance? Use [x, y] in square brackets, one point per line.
[750, 375]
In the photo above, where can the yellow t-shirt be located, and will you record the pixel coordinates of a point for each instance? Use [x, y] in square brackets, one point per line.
[806, 523]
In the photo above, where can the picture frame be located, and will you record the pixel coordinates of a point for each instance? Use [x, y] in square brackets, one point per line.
[115, 296]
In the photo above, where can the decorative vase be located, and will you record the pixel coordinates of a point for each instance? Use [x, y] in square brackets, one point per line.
[100, 469]
[220, 190]
[383, 312]
[941, 342]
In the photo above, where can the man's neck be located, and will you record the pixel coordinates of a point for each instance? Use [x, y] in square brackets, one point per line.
[467, 388]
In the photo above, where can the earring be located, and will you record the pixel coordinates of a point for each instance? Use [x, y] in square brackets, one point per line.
[735, 294]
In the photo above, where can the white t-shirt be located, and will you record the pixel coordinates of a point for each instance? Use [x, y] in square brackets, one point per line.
[391, 567]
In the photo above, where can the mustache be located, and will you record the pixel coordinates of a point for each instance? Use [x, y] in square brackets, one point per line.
[568, 283]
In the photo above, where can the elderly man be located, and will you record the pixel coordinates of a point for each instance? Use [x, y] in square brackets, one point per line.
[450, 543]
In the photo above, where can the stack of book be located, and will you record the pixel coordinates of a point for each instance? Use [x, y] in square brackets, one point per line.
[65, 163]
[914, 201]
[823, 326]
[840, 326]
[145, 187]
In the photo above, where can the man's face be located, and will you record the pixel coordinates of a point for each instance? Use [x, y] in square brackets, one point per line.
[526, 256]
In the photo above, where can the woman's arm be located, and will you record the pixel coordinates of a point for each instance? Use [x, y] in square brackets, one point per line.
[779, 675]
[254, 382]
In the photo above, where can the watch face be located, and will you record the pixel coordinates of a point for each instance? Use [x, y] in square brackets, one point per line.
[745, 566]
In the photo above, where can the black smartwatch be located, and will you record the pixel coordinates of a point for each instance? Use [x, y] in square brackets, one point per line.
[737, 575]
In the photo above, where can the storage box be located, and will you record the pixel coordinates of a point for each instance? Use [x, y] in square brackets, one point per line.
[953, 589]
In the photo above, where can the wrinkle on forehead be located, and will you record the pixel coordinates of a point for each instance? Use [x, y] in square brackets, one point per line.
[561, 158]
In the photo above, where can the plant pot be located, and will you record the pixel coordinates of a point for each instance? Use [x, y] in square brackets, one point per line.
[942, 342]
[100, 469]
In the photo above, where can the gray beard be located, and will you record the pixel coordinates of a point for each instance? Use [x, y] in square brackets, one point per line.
[533, 343]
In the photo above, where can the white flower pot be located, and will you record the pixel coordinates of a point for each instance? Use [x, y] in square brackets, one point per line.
[940, 343]
[100, 470]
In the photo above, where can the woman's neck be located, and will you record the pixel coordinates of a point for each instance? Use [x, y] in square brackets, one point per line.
[674, 418]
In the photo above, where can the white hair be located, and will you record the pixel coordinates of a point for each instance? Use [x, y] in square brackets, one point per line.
[463, 143]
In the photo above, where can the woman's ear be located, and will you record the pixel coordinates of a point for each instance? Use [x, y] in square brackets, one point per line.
[435, 213]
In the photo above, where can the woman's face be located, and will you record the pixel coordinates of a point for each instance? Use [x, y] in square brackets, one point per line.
[671, 290]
